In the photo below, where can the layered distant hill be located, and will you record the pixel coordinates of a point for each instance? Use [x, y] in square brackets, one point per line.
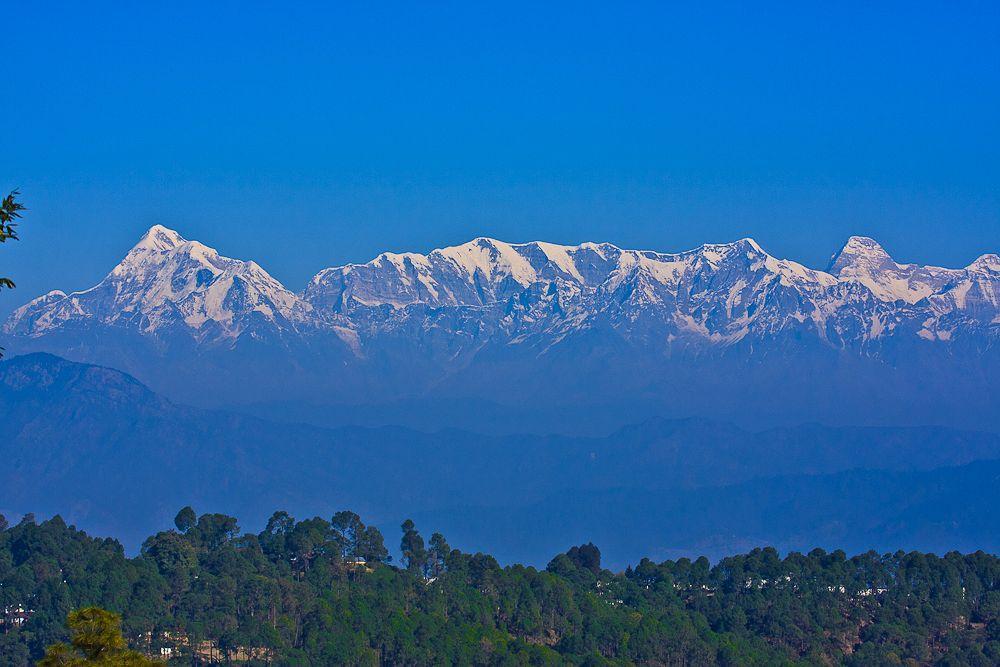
[538, 329]
[105, 452]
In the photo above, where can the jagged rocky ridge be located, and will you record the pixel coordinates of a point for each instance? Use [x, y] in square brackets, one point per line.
[508, 321]
[718, 294]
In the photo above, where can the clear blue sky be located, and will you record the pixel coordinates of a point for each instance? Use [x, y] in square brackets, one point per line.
[307, 136]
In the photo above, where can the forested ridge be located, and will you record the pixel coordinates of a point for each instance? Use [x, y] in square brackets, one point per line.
[318, 592]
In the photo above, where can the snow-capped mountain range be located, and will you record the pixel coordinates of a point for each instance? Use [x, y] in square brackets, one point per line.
[723, 324]
[717, 294]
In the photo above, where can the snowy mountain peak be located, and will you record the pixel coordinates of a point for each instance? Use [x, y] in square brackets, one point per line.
[860, 251]
[162, 250]
[492, 258]
[159, 238]
[989, 262]
[485, 288]
[864, 261]
[167, 282]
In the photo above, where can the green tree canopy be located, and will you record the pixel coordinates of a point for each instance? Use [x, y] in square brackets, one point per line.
[95, 639]
[287, 597]
[412, 548]
[185, 519]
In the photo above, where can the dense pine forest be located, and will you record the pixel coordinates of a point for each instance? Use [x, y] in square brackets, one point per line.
[321, 592]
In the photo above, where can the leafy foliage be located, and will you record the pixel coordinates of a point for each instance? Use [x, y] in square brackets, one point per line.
[10, 211]
[323, 592]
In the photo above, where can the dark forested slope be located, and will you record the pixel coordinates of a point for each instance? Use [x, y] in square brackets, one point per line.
[322, 592]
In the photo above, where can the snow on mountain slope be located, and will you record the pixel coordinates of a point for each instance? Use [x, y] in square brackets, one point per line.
[488, 291]
[477, 273]
[949, 302]
[976, 290]
[541, 292]
[167, 283]
[719, 292]
[864, 261]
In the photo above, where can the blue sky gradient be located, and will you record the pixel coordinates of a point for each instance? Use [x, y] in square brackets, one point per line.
[313, 135]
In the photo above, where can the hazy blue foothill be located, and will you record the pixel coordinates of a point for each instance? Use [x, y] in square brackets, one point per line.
[113, 457]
